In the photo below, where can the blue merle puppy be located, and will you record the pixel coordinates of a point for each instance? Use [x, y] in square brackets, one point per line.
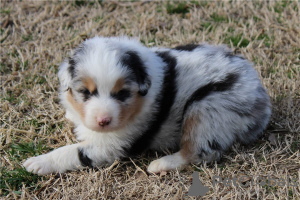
[125, 99]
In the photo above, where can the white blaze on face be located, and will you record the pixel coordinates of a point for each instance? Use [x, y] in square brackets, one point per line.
[101, 114]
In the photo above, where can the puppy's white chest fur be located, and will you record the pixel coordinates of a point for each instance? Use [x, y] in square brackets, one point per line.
[125, 98]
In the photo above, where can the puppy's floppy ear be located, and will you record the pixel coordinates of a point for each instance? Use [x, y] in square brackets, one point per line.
[67, 69]
[144, 87]
[133, 61]
[64, 75]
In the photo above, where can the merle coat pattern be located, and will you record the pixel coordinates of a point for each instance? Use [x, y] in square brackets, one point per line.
[125, 99]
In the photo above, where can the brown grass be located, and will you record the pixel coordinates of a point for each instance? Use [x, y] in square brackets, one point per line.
[36, 36]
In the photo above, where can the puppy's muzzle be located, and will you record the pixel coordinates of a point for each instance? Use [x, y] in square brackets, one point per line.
[103, 121]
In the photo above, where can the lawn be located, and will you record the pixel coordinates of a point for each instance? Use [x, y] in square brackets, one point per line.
[35, 38]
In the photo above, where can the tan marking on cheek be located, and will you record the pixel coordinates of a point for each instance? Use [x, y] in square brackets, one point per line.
[89, 84]
[187, 143]
[77, 106]
[129, 112]
[118, 85]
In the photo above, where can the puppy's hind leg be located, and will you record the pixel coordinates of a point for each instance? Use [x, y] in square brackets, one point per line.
[187, 153]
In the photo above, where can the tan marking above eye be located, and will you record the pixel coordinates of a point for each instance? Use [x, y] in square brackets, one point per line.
[89, 84]
[118, 85]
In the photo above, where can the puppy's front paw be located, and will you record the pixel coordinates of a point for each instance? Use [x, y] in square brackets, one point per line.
[158, 166]
[40, 165]
[162, 164]
[167, 163]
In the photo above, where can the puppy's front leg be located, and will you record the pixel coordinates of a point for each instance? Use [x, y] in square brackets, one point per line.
[65, 158]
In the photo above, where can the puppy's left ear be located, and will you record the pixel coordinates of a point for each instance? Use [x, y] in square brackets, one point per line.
[64, 75]
[135, 64]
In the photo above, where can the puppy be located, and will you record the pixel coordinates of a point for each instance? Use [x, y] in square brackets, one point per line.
[125, 99]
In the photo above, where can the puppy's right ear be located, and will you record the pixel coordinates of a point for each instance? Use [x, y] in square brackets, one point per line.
[65, 75]
[134, 62]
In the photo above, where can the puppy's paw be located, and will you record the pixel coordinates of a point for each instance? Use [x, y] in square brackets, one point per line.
[40, 165]
[158, 166]
[166, 163]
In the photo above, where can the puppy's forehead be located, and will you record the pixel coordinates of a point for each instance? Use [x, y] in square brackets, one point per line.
[104, 82]
[100, 64]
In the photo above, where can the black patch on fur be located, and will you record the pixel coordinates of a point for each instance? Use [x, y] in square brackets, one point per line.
[214, 145]
[95, 92]
[71, 68]
[188, 47]
[164, 100]
[87, 94]
[228, 54]
[122, 95]
[72, 61]
[132, 60]
[202, 153]
[206, 90]
[84, 159]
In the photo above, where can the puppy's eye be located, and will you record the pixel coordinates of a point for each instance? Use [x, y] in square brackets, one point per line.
[122, 95]
[86, 93]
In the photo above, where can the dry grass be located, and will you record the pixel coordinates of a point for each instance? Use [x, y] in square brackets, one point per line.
[36, 36]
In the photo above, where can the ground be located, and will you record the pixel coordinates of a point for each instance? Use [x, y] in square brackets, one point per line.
[37, 36]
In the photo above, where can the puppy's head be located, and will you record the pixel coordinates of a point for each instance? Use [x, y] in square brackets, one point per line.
[104, 83]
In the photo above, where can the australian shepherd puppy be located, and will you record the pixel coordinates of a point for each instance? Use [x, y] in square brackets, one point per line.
[125, 99]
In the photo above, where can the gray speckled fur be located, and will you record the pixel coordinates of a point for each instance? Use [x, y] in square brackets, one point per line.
[239, 111]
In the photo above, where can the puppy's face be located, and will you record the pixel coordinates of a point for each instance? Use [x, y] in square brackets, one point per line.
[104, 86]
